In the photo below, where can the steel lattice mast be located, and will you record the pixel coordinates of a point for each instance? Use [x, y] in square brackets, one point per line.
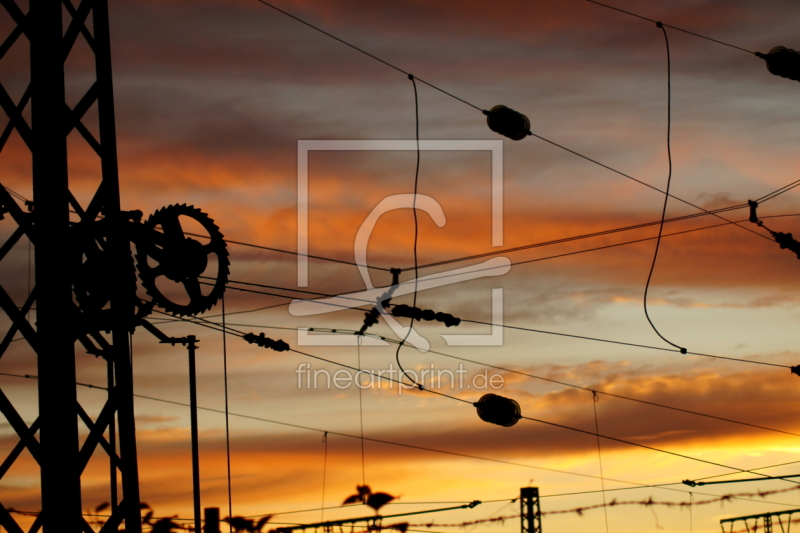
[99, 316]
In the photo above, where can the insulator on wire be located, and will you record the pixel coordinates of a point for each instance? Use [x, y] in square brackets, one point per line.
[753, 212]
[783, 62]
[507, 122]
[498, 410]
[266, 342]
[406, 311]
[785, 240]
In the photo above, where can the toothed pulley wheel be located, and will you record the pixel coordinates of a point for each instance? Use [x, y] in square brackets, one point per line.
[184, 274]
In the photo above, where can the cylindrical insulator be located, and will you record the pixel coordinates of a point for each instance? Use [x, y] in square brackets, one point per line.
[506, 121]
[783, 62]
[498, 410]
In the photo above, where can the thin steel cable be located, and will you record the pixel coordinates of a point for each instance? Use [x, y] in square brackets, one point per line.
[325, 472]
[773, 194]
[482, 111]
[520, 328]
[379, 376]
[646, 447]
[572, 385]
[759, 468]
[673, 27]
[533, 376]
[416, 239]
[361, 415]
[577, 237]
[595, 399]
[376, 58]
[638, 485]
[666, 196]
[594, 161]
[227, 417]
[321, 258]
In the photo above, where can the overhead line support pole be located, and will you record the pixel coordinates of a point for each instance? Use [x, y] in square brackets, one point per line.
[59, 461]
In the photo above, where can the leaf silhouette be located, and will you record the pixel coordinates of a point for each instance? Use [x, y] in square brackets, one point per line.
[239, 524]
[146, 519]
[261, 523]
[378, 500]
[164, 525]
[361, 496]
[102, 507]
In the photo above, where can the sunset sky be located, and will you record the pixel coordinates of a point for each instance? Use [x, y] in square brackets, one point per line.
[212, 100]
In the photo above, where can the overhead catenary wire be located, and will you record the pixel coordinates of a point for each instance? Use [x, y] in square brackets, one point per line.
[298, 19]
[550, 380]
[530, 133]
[545, 332]
[672, 27]
[664, 486]
[348, 435]
[438, 393]
[555, 381]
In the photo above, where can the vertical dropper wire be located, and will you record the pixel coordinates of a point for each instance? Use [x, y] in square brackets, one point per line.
[227, 420]
[361, 413]
[416, 239]
[666, 195]
[596, 399]
[324, 473]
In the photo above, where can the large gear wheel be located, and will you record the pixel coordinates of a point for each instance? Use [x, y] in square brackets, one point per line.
[164, 250]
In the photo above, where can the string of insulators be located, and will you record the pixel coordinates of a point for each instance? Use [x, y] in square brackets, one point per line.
[427, 314]
[266, 342]
[371, 316]
[498, 410]
[785, 240]
[507, 122]
[783, 62]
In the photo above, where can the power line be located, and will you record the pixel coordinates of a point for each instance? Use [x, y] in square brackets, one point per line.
[340, 434]
[572, 385]
[579, 237]
[520, 328]
[555, 381]
[644, 446]
[291, 252]
[485, 112]
[424, 389]
[673, 27]
[298, 19]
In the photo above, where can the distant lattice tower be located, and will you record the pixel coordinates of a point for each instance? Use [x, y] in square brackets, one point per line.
[530, 513]
[84, 286]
